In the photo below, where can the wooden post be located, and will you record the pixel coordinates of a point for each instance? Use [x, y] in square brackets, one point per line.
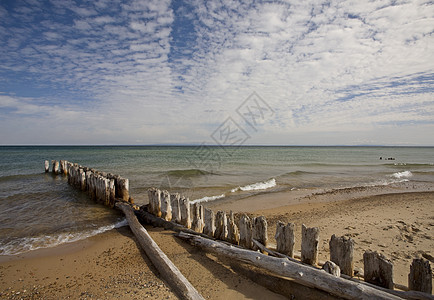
[245, 225]
[221, 226]
[154, 201]
[309, 245]
[209, 220]
[341, 253]
[47, 166]
[166, 207]
[82, 178]
[176, 209]
[233, 232]
[197, 222]
[55, 169]
[332, 268]
[124, 187]
[285, 238]
[184, 204]
[420, 277]
[112, 192]
[259, 231]
[378, 269]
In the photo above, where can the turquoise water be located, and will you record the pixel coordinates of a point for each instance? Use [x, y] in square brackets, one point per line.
[39, 210]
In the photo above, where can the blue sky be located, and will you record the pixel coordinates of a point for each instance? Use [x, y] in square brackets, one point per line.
[174, 72]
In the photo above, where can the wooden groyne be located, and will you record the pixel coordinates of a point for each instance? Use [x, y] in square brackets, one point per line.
[246, 239]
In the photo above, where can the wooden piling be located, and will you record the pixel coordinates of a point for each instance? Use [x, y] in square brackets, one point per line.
[245, 226]
[378, 269]
[209, 222]
[420, 277]
[197, 222]
[259, 231]
[233, 232]
[166, 207]
[123, 188]
[55, 169]
[176, 209]
[341, 253]
[285, 238]
[309, 245]
[184, 204]
[154, 196]
[112, 193]
[221, 226]
[47, 166]
[332, 268]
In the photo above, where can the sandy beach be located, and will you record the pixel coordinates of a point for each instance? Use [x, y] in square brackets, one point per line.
[111, 265]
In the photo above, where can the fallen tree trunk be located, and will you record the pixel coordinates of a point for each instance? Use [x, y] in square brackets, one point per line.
[303, 274]
[181, 286]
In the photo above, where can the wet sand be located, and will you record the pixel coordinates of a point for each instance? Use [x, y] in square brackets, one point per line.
[111, 265]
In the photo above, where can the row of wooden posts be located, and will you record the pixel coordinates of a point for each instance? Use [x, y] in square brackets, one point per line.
[378, 270]
[102, 187]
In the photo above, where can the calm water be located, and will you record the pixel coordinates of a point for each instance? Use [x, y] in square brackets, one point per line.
[40, 210]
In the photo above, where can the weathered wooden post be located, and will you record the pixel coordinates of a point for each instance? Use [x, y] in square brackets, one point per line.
[124, 188]
[176, 209]
[47, 166]
[233, 232]
[209, 220]
[259, 231]
[112, 192]
[61, 166]
[184, 204]
[341, 253]
[82, 178]
[197, 222]
[221, 226]
[285, 238]
[154, 196]
[55, 169]
[166, 207]
[309, 245]
[332, 268]
[420, 277]
[245, 226]
[378, 269]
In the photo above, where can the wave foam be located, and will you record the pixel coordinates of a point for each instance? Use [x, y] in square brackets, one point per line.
[27, 244]
[207, 198]
[256, 186]
[403, 174]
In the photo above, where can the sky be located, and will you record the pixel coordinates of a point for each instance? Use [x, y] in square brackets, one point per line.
[224, 72]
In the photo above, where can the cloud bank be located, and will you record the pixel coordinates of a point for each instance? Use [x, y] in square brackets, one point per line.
[152, 72]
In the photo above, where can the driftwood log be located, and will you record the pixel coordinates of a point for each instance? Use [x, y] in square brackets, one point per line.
[167, 269]
[300, 273]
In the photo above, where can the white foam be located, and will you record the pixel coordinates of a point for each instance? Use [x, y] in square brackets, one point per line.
[403, 174]
[22, 245]
[256, 186]
[208, 198]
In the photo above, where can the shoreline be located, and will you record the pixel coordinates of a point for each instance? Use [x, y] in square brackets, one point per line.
[399, 225]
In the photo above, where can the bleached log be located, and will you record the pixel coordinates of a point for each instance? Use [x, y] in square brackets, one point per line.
[285, 238]
[176, 209]
[166, 207]
[233, 232]
[165, 267]
[341, 253]
[332, 268]
[221, 226]
[245, 226]
[309, 245]
[259, 231]
[47, 166]
[209, 222]
[420, 277]
[184, 204]
[302, 274]
[378, 269]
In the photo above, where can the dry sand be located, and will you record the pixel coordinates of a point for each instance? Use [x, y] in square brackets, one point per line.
[111, 265]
